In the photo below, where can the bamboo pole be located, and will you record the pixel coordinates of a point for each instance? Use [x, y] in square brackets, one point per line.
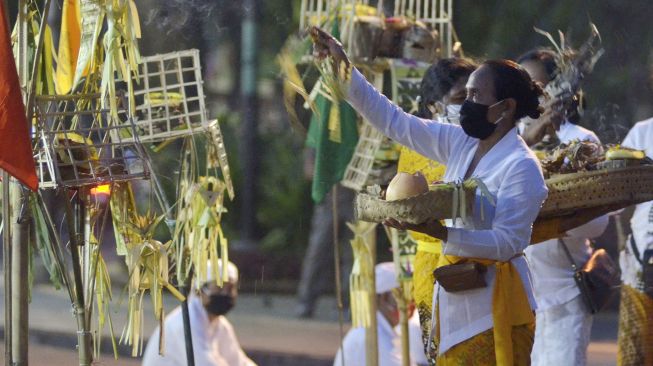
[403, 322]
[83, 334]
[6, 258]
[6, 237]
[400, 298]
[336, 260]
[372, 333]
[19, 224]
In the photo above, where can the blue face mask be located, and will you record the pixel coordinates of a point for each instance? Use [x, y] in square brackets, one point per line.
[473, 120]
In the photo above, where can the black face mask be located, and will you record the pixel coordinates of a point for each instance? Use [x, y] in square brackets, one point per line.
[473, 120]
[219, 304]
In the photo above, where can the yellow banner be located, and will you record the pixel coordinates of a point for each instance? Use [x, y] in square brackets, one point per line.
[69, 41]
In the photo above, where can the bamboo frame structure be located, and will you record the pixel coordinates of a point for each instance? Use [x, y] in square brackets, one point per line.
[78, 143]
[437, 14]
[169, 97]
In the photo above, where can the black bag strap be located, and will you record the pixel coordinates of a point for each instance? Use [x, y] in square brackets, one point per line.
[635, 250]
[566, 250]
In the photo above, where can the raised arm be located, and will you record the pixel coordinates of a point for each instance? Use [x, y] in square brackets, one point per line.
[429, 138]
[432, 139]
[518, 203]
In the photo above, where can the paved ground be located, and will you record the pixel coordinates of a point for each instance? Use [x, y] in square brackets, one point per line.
[265, 326]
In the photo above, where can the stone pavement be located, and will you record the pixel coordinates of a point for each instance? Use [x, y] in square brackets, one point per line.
[265, 326]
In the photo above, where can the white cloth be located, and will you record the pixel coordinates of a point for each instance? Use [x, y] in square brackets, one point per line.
[389, 344]
[214, 343]
[562, 334]
[513, 178]
[640, 137]
[416, 343]
[386, 277]
[553, 276]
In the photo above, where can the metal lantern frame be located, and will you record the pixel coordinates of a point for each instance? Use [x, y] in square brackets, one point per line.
[168, 98]
[436, 14]
[78, 142]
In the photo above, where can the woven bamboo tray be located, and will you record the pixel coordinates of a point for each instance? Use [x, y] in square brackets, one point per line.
[621, 186]
[438, 203]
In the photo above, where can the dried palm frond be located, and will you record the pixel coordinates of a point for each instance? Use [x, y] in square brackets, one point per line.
[360, 281]
[573, 64]
[290, 56]
[147, 263]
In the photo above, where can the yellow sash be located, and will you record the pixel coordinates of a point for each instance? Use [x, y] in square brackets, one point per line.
[429, 246]
[510, 306]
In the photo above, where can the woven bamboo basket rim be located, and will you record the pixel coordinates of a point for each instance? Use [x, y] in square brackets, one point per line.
[566, 178]
[614, 186]
[416, 209]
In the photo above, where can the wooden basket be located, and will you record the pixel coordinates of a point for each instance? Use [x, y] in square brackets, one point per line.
[621, 186]
[435, 204]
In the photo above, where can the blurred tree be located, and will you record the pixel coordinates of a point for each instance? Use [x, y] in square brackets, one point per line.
[619, 90]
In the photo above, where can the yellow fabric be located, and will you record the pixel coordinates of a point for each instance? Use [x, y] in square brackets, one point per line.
[335, 133]
[510, 306]
[480, 349]
[635, 338]
[433, 247]
[69, 41]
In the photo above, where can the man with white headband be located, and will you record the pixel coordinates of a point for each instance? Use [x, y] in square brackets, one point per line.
[214, 339]
[387, 318]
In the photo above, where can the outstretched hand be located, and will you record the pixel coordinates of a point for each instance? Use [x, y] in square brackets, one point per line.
[325, 45]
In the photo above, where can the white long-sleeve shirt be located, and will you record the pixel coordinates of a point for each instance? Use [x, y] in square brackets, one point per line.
[513, 178]
[553, 276]
[214, 343]
[640, 137]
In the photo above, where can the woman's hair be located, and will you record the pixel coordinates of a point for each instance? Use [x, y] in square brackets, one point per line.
[440, 78]
[545, 56]
[512, 81]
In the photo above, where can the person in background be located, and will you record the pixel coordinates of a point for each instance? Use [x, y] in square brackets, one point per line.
[318, 259]
[635, 337]
[562, 323]
[214, 339]
[441, 94]
[387, 316]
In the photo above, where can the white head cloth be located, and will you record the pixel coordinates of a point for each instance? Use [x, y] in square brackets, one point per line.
[386, 277]
[232, 272]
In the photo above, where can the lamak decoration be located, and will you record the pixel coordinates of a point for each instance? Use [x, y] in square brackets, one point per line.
[89, 113]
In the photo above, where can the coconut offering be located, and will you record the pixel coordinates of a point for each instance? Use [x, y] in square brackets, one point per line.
[405, 185]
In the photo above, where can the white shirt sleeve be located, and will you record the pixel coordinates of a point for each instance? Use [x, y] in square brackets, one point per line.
[430, 138]
[517, 205]
[631, 139]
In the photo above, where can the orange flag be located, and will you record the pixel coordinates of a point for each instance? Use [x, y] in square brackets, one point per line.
[15, 142]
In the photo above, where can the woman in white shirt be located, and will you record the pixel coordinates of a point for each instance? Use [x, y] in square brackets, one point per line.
[492, 324]
[563, 322]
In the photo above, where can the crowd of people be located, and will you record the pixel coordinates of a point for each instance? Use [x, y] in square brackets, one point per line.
[476, 120]
[530, 311]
